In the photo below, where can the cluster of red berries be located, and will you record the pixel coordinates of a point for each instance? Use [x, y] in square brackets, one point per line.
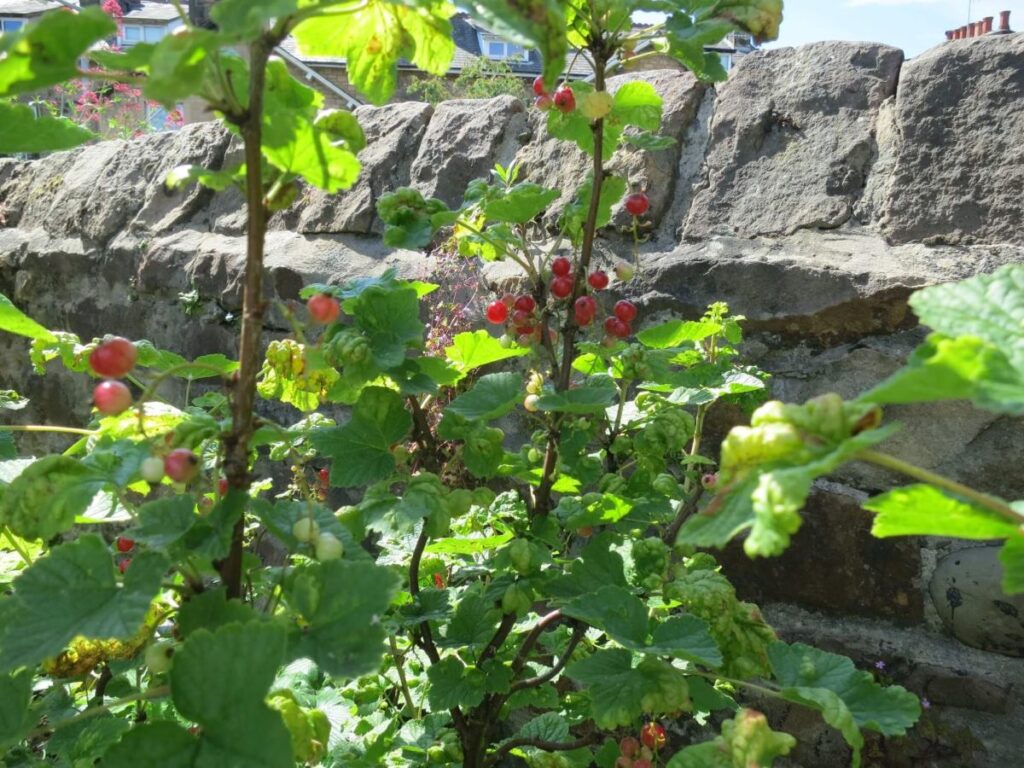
[113, 359]
[323, 309]
[564, 100]
[520, 312]
[640, 753]
[124, 545]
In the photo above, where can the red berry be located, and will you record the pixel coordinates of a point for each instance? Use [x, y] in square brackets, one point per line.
[637, 204]
[497, 312]
[629, 746]
[561, 287]
[113, 358]
[324, 475]
[525, 304]
[538, 86]
[438, 581]
[561, 267]
[323, 309]
[525, 330]
[585, 308]
[123, 544]
[653, 736]
[625, 311]
[111, 397]
[565, 99]
[123, 565]
[643, 762]
[508, 300]
[709, 481]
[519, 318]
[586, 530]
[598, 280]
[543, 103]
[181, 465]
[222, 486]
[613, 326]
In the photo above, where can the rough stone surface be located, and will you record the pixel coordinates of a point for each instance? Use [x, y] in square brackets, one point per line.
[965, 590]
[393, 135]
[835, 565]
[792, 139]
[960, 127]
[815, 194]
[464, 140]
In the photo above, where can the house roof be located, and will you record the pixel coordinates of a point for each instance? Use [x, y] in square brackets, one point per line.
[149, 11]
[27, 7]
[466, 35]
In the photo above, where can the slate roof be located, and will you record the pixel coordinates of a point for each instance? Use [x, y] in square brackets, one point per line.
[151, 11]
[26, 7]
[466, 35]
[139, 11]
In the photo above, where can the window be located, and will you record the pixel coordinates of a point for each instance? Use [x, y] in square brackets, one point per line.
[131, 34]
[137, 33]
[11, 25]
[153, 34]
[496, 48]
[726, 60]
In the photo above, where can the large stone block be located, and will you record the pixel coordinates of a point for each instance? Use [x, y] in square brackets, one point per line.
[958, 175]
[464, 140]
[792, 139]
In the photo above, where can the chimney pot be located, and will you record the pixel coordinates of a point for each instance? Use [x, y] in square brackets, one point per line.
[987, 21]
[1004, 21]
[963, 33]
[973, 29]
[949, 34]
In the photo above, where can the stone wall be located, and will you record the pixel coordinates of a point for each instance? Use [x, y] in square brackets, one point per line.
[814, 192]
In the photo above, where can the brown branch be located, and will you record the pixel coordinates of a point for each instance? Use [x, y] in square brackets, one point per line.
[685, 512]
[424, 436]
[504, 629]
[531, 639]
[551, 674]
[547, 746]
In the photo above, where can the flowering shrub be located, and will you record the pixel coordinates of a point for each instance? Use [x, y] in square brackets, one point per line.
[523, 577]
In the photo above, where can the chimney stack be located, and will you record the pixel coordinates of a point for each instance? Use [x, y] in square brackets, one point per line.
[949, 34]
[986, 25]
[973, 26]
[1004, 22]
[963, 33]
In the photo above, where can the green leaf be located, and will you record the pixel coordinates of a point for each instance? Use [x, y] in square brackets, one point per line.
[48, 495]
[468, 546]
[473, 623]
[341, 604]
[574, 217]
[46, 52]
[390, 318]
[493, 395]
[593, 396]
[1011, 557]
[361, 450]
[964, 368]
[620, 692]
[454, 685]
[923, 510]
[159, 744]
[520, 204]
[676, 332]
[179, 63]
[22, 131]
[598, 565]
[295, 142]
[245, 18]
[72, 592]
[475, 349]
[219, 681]
[84, 742]
[15, 717]
[211, 610]
[373, 38]
[637, 103]
[13, 320]
[988, 307]
[848, 698]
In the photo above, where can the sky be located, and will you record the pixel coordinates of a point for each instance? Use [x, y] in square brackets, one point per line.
[913, 25]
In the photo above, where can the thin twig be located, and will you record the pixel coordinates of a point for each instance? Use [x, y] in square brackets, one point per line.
[686, 511]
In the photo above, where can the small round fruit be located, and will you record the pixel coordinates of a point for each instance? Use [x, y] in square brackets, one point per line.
[598, 280]
[643, 762]
[124, 544]
[629, 746]
[532, 403]
[585, 308]
[152, 469]
[497, 312]
[586, 531]
[637, 204]
[111, 397]
[323, 309]
[653, 736]
[543, 103]
[520, 318]
[561, 287]
[324, 476]
[181, 465]
[158, 657]
[625, 311]
[508, 300]
[596, 105]
[538, 86]
[306, 530]
[328, 547]
[561, 267]
[535, 384]
[525, 303]
[617, 328]
[123, 565]
[113, 358]
[505, 341]
[565, 99]
[709, 481]
[624, 271]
